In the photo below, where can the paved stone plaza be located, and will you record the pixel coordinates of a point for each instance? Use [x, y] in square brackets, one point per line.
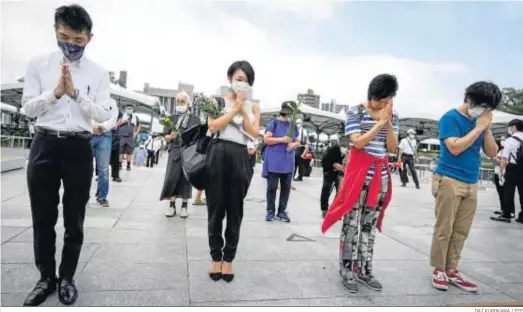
[134, 256]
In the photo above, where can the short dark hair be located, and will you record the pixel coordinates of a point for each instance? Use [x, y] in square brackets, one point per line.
[518, 123]
[382, 86]
[246, 67]
[74, 17]
[483, 92]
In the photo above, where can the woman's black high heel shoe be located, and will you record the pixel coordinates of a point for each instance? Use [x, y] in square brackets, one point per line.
[215, 276]
[228, 277]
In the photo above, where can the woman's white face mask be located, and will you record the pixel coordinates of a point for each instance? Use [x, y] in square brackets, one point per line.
[412, 136]
[238, 86]
[502, 143]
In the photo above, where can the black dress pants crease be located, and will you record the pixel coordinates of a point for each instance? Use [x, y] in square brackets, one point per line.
[115, 157]
[513, 180]
[229, 173]
[53, 161]
[330, 180]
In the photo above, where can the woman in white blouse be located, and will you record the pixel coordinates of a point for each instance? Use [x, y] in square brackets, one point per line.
[229, 170]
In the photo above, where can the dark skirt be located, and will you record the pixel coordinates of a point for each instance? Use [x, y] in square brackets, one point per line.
[175, 183]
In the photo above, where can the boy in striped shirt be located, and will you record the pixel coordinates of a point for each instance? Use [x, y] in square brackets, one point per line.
[373, 129]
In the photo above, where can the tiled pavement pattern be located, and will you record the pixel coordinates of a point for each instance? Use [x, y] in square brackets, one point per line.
[134, 256]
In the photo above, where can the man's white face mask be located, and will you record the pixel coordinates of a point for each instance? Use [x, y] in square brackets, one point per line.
[476, 110]
[412, 135]
[181, 109]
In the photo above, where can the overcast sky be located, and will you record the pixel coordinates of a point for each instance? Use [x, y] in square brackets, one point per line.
[335, 48]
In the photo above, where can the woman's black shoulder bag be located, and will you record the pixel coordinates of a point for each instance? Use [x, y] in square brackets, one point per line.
[195, 144]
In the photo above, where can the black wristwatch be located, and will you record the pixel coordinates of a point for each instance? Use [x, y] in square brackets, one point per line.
[76, 93]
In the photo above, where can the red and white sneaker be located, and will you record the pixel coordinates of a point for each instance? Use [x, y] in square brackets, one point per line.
[458, 280]
[440, 280]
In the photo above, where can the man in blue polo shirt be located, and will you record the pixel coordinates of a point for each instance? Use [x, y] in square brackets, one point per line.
[462, 133]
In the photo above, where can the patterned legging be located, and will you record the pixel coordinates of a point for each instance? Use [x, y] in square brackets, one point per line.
[358, 234]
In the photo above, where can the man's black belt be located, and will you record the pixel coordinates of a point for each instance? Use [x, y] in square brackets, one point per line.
[84, 135]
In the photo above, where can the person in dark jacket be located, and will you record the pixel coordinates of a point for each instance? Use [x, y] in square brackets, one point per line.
[332, 169]
[176, 184]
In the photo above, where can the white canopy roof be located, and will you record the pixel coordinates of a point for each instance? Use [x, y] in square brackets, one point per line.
[314, 119]
[501, 117]
[435, 115]
[12, 93]
[431, 141]
[135, 96]
[7, 107]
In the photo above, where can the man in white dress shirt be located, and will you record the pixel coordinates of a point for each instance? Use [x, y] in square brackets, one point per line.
[408, 150]
[511, 171]
[65, 91]
[300, 166]
[102, 143]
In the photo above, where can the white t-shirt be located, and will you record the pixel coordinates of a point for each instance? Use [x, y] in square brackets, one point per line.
[511, 147]
[407, 148]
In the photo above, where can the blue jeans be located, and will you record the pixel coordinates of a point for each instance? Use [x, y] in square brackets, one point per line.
[102, 153]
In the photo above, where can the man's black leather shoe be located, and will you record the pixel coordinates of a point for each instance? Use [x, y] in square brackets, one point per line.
[67, 293]
[42, 290]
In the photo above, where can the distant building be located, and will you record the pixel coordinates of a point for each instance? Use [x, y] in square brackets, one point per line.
[167, 97]
[329, 106]
[341, 107]
[334, 107]
[121, 81]
[310, 99]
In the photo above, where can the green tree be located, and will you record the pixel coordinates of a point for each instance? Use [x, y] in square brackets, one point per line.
[512, 101]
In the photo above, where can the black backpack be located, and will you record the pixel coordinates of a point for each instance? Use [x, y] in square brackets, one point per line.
[519, 153]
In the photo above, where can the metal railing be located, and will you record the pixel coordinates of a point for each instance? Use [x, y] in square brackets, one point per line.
[13, 141]
[486, 175]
